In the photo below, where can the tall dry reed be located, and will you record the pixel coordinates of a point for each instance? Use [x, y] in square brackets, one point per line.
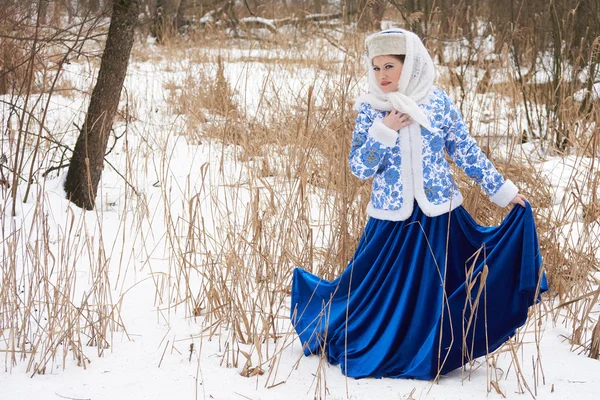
[234, 234]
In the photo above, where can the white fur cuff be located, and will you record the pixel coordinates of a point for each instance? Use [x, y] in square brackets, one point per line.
[383, 134]
[505, 194]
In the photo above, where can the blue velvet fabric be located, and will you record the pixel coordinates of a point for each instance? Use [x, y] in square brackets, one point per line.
[407, 308]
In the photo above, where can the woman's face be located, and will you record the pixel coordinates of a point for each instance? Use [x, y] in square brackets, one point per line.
[387, 72]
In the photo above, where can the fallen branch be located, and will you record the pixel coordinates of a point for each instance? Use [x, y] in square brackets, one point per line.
[70, 398]
[220, 16]
[306, 19]
[257, 23]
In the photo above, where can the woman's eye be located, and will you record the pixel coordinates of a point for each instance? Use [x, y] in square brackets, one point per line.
[389, 66]
[375, 69]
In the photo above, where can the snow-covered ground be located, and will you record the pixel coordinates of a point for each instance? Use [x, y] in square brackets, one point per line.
[156, 364]
[163, 350]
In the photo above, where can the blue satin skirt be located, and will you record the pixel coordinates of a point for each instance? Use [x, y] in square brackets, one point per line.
[422, 297]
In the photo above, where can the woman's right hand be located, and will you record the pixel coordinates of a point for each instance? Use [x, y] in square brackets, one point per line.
[396, 120]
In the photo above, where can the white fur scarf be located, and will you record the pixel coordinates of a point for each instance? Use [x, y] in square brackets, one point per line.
[414, 88]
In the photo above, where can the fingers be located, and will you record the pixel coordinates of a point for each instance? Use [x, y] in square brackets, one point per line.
[519, 199]
[397, 120]
[397, 114]
[402, 118]
[523, 199]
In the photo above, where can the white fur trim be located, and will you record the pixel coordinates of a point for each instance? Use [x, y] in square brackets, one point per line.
[380, 44]
[505, 194]
[429, 209]
[382, 133]
[412, 182]
[390, 215]
[408, 193]
[404, 213]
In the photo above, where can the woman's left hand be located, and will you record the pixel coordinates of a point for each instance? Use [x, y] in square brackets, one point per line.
[519, 199]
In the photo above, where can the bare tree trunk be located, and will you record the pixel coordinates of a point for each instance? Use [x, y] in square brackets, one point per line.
[586, 29]
[180, 19]
[557, 81]
[87, 162]
[165, 19]
[357, 11]
[43, 10]
[318, 6]
[94, 6]
[66, 5]
[349, 9]
[56, 14]
[378, 9]
[363, 16]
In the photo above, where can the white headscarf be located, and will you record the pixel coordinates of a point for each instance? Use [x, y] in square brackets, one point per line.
[415, 85]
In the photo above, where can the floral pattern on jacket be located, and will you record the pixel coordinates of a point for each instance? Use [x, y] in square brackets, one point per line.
[370, 157]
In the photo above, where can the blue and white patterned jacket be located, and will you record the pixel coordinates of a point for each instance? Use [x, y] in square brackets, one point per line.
[410, 163]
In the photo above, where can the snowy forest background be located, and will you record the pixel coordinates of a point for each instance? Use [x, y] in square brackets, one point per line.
[222, 165]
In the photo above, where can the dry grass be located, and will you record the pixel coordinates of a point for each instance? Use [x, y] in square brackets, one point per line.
[292, 203]
[302, 155]
[44, 315]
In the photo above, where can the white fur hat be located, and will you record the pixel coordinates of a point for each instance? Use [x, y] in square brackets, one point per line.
[385, 43]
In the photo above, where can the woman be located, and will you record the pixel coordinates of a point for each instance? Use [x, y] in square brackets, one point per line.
[428, 289]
